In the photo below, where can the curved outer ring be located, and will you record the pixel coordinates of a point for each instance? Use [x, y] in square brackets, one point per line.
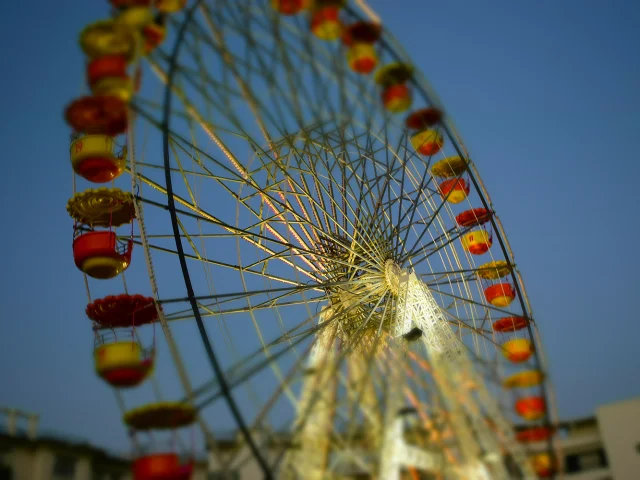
[213, 360]
[423, 89]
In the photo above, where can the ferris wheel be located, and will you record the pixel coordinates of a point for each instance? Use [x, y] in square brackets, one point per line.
[325, 265]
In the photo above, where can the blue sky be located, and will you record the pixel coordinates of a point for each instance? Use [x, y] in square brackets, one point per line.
[546, 98]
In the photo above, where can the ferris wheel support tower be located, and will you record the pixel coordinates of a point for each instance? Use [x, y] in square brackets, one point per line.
[481, 448]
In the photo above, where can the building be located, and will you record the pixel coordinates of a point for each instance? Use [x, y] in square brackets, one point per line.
[26, 454]
[603, 447]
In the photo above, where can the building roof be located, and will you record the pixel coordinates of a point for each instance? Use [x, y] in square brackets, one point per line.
[63, 444]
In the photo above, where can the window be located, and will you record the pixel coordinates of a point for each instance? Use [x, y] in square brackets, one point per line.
[589, 461]
[585, 461]
[64, 467]
[224, 475]
[6, 472]
[101, 476]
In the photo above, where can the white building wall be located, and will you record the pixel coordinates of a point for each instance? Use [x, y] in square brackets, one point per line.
[619, 425]
[83, 469]
[43, 464]
[22, 463]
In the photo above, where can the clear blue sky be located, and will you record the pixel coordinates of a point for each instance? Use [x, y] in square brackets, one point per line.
[546, 96]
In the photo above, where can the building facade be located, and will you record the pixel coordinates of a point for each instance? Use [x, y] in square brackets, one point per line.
[603, 447]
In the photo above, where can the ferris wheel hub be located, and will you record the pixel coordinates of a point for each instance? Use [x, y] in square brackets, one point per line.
[392, 275]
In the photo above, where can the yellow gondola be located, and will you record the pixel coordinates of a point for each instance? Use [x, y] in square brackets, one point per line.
[108, 37]
[525, 379]
[123, 364]
[96, 158]
[161, 416]
[517, 350]
[477, 242]
[170, 6]
[494, 270]
[396, 95]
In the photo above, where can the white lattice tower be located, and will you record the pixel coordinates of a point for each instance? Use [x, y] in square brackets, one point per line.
[395, 452]
[481, 447]
[315, 411]
[362, 397]
[393, 439]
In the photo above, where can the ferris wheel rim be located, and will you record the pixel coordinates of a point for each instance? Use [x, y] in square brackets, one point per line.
[213, 360]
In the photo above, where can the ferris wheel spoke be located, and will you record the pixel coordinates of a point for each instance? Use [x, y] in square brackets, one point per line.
[467, 322]
[233, 63]
[207, 128]
[317, 70]
[232, 231]
[185, 145]
[426, 188]
[265, 305]
[264, 261]
[417, 228]
[238, 268]
[442, 237]
[253, 238]
[244, 370]
[296, 86]
[392, 166]
[331, 219]
[413, 207]
[337, 440]
[436, 244]
[470, 329]
[261, 193]
[289, 336]
[416, 245]
[300, 219]
[370, 239]
[192, 173]
[271, 203]
[237, 379]
[185, 75]
[362, 383]
[319, 209]
[318, 206]
[199, 33]
[449, 280]
[402, 141]
[269, 404]
[426, 254]
[470, 271]
[312, 50]
[416, 199]
[221, 299]
[473, 302]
